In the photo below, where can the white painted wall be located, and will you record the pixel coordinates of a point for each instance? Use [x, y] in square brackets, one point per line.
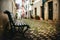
[37, 4]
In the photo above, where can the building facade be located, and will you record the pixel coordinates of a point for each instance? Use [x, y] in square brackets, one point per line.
[28, 8]
[47, 9]
[37, 4]
[51, 10]
[8, 5]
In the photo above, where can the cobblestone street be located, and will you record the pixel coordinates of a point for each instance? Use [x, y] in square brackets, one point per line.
[39, 30]
[42, 30]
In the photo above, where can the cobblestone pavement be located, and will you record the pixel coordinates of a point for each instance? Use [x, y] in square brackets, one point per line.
[43, 30]
[40, 30]
[29, 36]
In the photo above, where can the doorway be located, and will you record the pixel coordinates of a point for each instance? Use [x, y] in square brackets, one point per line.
[42, 12]
[50, 10]
[35, 12]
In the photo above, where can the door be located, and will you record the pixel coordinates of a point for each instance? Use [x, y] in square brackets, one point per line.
[35, 12]
[50, 10]
[42, 12]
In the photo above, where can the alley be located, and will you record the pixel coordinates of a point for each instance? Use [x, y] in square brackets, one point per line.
[29, 19]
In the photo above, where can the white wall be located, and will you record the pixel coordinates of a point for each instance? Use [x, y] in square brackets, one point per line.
[37, 4]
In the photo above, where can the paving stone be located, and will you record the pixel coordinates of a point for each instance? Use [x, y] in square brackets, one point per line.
[34, 38]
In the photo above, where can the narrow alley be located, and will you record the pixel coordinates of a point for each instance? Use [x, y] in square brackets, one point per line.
[29, 19]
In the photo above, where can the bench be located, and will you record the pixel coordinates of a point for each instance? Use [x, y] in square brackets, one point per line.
[22, 27]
